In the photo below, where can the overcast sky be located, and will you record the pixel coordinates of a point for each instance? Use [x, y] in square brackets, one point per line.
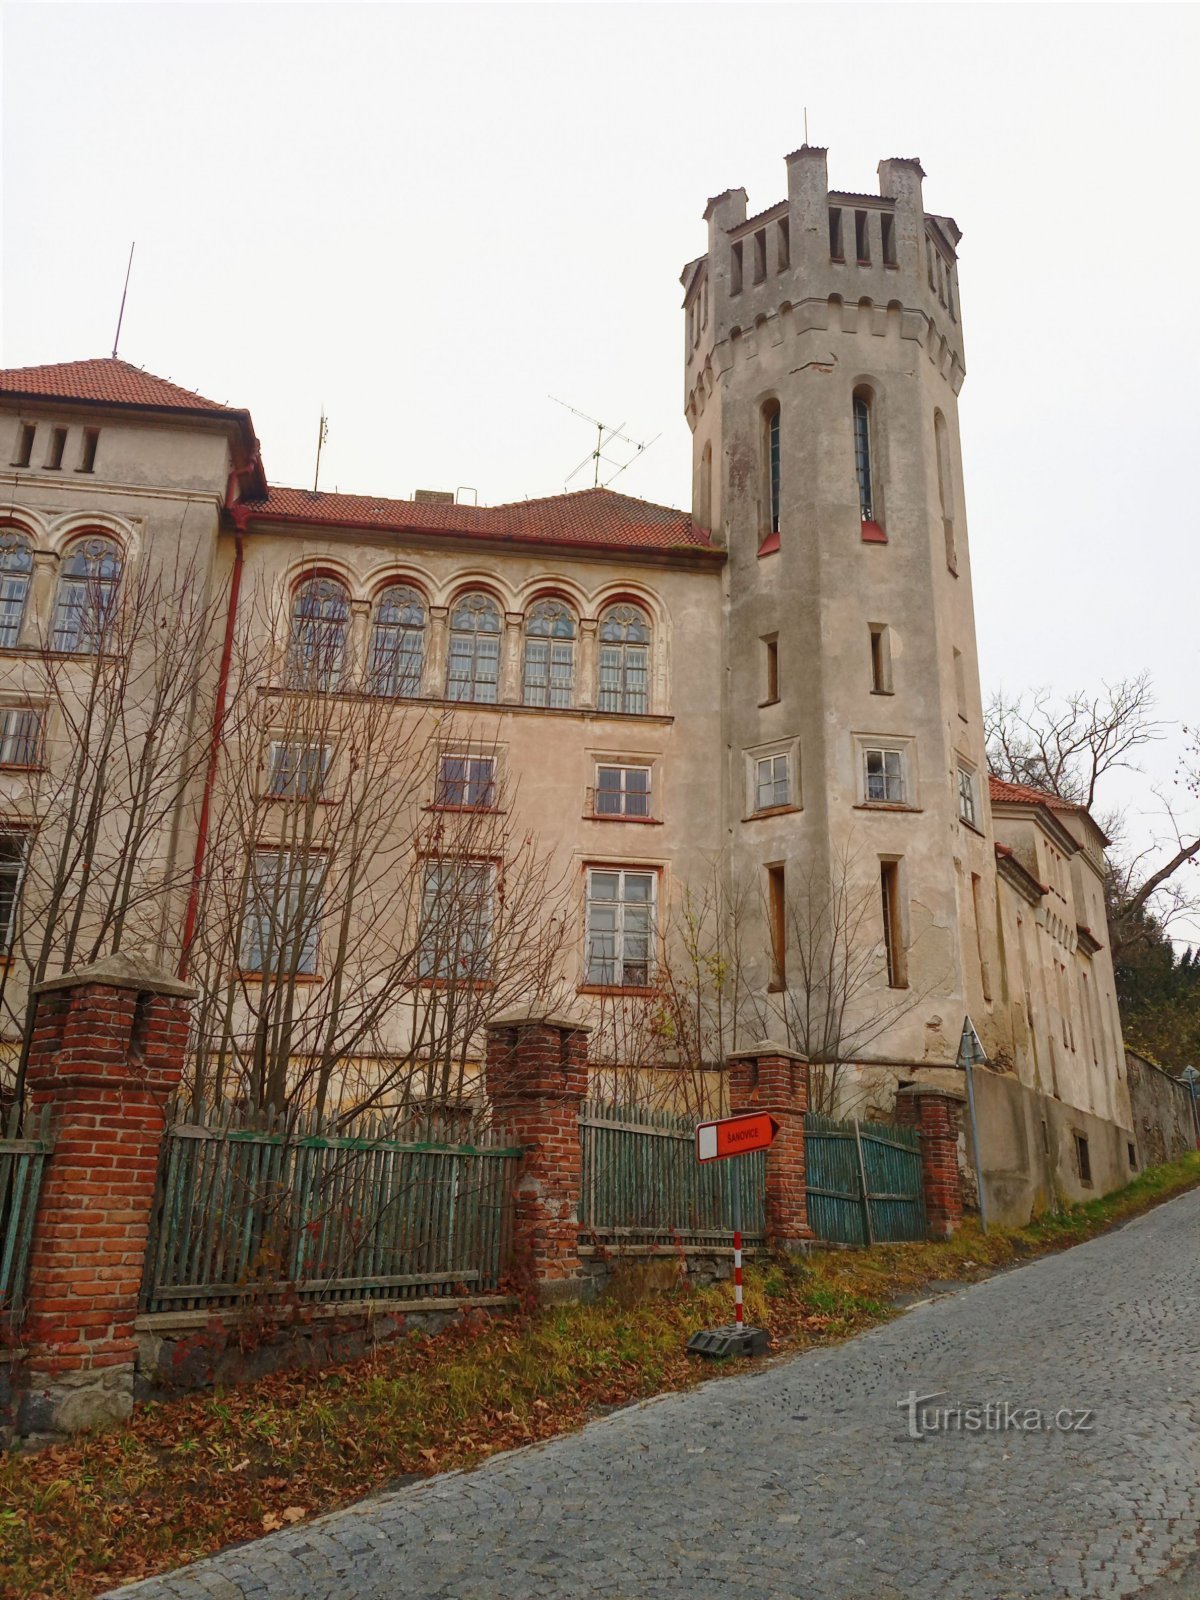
[429, 219]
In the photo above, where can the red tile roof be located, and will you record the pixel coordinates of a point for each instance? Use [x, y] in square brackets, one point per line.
[105, 381]
[591, 518]
[1024, 794]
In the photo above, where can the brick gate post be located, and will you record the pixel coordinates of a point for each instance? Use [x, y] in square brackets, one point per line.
[536, 1077]
[769, 1077]
[937, 1113]
[107, 1052]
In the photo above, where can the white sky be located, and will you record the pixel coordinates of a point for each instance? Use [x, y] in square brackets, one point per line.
[430, 218]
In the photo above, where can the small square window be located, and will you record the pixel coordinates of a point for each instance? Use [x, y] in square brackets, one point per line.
[467, 781]
[772, 782]
[884, 777]
[621, 792]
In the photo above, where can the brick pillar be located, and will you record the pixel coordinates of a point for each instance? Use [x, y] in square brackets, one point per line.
[536, 1075]
[768, 1077]
[108, 1050]
[938, 1115]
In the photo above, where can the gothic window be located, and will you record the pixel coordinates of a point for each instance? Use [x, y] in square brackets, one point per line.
[863, 463]
[16, 567]
[549, 655]
[317, 646]
[87, 595]
[398, 642]
[474, 667]
[624, 660]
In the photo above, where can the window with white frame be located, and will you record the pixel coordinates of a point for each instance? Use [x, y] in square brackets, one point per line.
[281, 925]
[457, 899]
[14, 849]
[21, 736]
[549, 677]
[297, 771]
[621, 791]
[883, 776]
[620, 928]
[967, 807]
[772, 782]
[468, 781]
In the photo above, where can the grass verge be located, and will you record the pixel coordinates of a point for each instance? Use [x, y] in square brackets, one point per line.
[190, 1476]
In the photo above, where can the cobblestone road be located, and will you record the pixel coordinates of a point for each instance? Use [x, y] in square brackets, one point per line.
[800, 1480]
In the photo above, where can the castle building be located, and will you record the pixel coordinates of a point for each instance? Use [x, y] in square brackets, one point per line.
[772, 705]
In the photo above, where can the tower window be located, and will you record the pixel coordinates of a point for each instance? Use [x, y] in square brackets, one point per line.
[706, 486]
[760, 255]
[881, 659]
[58, 444]
[941, 441]
[862, 457]
[887, 229]
[883, 777]
[893, 925]
[87, 453]
[770, 671]
[960, 684]
[862, 238]
[835, 235]
[777, 919]
[783, 246]
[772, 783]
[735, 269]
[772, 462]
[25, 445]
[967, 806]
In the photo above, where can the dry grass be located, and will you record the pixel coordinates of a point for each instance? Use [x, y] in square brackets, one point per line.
[188, 1477]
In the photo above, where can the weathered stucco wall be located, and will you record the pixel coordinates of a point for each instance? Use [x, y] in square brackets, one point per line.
[1164, 1123]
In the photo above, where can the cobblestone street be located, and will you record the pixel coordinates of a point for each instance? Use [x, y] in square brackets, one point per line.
[800, 1479]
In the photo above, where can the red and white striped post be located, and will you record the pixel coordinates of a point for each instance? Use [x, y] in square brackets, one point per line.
[736, 1177]
[726, 1140]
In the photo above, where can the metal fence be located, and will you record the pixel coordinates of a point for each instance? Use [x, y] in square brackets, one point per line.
[864, 1181]
[22, 1160]
[642, 1184]
[271, 1207]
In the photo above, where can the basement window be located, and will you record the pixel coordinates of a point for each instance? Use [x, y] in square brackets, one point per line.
[1083, 1159]
[24, 445]
[58, 444]
[1132, 1157]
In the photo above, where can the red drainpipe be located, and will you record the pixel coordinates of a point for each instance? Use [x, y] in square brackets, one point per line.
[235, 586]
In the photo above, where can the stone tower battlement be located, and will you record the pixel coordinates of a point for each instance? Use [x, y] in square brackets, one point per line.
[823, 258]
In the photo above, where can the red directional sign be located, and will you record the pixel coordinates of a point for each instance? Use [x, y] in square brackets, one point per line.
[735, 1136]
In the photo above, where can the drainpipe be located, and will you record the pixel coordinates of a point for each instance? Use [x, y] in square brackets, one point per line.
[235, 587]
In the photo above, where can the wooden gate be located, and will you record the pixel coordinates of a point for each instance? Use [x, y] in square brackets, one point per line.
[864, 1181]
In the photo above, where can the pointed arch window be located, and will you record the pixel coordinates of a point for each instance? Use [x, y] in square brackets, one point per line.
[549, 678]
[474, 666]
[624, 660]
[863, 463]
[87, 596]
[398, 642]
[317, 645]
[16, 568]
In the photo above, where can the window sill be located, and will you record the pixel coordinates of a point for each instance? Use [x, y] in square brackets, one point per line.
[772, 811]
[474, 811]
[972, 827]
[762, 704]
[478, 984]
[872, 532]
[883, 691]
[615, 989]
[596, 816]
[769, 546]
[19, 766]
[246, 976]
[886, 805]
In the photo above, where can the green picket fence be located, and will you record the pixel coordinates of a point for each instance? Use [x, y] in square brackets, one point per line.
[270, 1207]
[23, 1155]
[864, 1181]
[641, 1182]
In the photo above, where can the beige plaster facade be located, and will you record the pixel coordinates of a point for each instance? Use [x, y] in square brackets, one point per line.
[811, 705]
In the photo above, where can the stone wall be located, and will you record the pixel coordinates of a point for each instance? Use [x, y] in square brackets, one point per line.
[1164, 1124]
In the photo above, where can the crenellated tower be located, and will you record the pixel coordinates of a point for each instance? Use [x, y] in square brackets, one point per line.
[824, 357]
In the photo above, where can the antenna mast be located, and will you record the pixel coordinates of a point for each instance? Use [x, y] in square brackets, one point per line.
[124, 292]
[322, 436]
[605, 434]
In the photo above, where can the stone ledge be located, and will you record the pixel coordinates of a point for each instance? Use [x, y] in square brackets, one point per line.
[167, 1322]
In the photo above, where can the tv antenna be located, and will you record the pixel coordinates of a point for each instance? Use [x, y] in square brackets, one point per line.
[605, 436]
[322, 438]
[124, 292]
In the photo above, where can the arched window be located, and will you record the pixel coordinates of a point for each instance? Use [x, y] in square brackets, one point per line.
[941, 441]
[474, 667]
[549, 655]
[87, 595]
[16, 565]
[398, 642]
[863, 463]
[624, 659]
[771, 468]
[317, 646]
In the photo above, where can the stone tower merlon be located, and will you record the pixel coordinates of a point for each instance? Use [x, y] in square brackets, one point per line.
[822, 245]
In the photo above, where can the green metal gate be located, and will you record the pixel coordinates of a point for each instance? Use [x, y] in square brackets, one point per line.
[864, 1181]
